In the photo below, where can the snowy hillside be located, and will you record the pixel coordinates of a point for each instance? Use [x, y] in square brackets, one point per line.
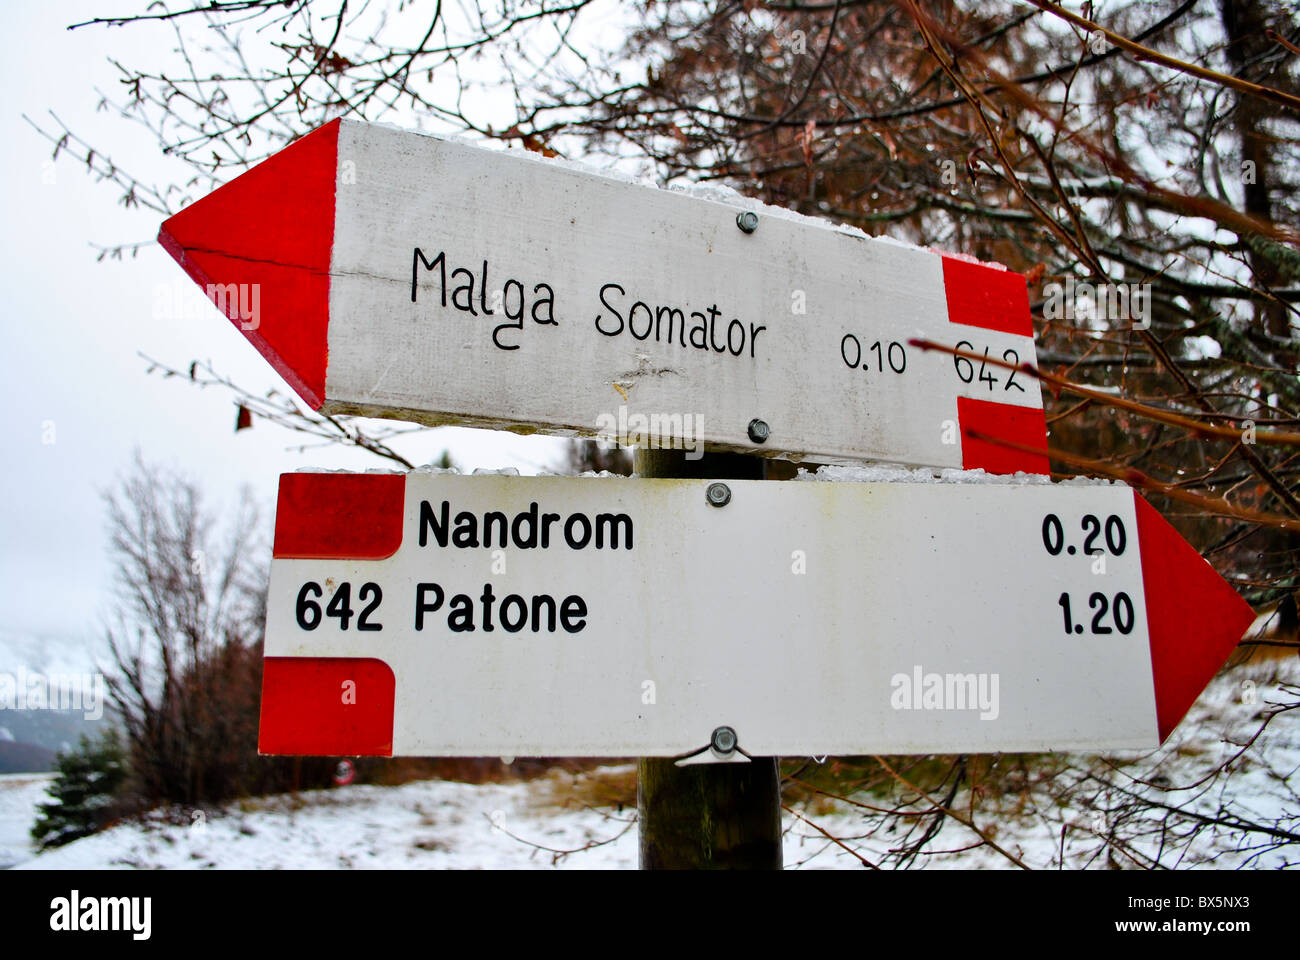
[561, 821]
[29, 738]
[429, 824]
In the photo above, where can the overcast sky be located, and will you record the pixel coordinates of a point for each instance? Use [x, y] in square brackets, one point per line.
[72, 331]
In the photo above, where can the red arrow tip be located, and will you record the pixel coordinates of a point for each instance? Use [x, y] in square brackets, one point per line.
[1196, 618]
[260, 246]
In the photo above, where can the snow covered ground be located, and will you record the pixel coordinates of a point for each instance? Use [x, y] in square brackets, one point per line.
[553, 822]
[19, 795]
[427, 824]
[430, 824]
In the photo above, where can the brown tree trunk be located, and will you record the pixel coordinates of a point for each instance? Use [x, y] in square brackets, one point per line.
[1246, 23]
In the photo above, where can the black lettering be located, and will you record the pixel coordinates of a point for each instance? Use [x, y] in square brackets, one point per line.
[736, 351]
[515, 627]
[713, 328]
[529, 515]
[549, 300]
[539, 601]
[440, 261]
[573, 607]
[495, 516]
[496, 333]
[429, 522]
[568, 531]
[461, 617]
[649, 318]
[516, 316]
[467, 289]
[529, 528]
[609, 306]
[659, 319]
[547, 520]
[505, 300]
[422, 606]
[466, 532]
[482, 294]
[702, 328]
[613, 522]
[487, 598]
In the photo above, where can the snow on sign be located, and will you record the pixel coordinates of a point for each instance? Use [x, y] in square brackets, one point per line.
[392, 274]
[442, 615]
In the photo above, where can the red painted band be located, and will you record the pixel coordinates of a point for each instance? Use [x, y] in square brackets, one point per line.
[1195, 618]
[326, 706]
[349, 516]
[264, 241]
[1026, 426]
[982, 296]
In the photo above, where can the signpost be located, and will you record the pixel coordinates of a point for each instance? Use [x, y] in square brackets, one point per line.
[441, 615]
[391, 274]
[693, 617]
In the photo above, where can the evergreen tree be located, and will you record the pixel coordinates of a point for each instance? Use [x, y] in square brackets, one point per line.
[83, 793]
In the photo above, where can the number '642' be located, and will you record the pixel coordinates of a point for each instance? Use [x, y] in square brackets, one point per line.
[310, 614]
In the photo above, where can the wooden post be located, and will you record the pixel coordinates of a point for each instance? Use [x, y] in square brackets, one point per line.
[717, 816]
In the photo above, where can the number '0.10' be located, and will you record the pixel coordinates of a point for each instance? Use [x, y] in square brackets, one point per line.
[892, 355]
[1112, 532]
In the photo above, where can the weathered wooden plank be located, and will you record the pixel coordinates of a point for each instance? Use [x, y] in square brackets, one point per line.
[812, 618]
[400, 275]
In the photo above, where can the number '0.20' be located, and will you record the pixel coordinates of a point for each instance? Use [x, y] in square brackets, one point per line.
[1112, 531]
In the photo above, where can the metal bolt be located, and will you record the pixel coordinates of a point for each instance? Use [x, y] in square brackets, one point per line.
[747, 221]
[723, 740]
[759, 431]
[718, 494]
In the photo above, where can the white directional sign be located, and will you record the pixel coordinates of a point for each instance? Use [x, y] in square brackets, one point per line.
[391, 274]
[444, 615]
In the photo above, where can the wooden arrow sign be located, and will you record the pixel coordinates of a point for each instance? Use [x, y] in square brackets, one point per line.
[442, 615]
[391, 274]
